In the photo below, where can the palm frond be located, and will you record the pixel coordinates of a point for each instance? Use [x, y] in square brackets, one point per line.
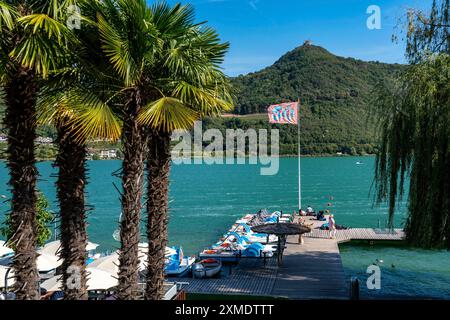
[118, 51]
[59, 9]
[44, 43]
[208, 101]
[168, 114]
[52, 107]
[173, 21]
[89, 116]
[94, 118]
[7, 16]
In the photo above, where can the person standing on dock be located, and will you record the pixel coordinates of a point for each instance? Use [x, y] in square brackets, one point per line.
[332, 227]
[301, 221]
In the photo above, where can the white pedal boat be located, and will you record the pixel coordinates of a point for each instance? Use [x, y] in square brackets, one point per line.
[206, 268]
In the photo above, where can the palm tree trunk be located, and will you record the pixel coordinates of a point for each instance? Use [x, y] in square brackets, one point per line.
[132, 185]
[71, 161]
[20, 120]
[158, 167]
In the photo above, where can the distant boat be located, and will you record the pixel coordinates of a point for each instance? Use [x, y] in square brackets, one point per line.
[359, 163]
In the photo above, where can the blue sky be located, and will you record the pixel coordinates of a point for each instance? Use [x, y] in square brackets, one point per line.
[261, 31]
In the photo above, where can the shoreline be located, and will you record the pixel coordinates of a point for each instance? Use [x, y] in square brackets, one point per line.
[209, 157]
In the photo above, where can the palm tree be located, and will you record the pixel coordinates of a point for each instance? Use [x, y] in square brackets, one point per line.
[190, 85]
[129, 40]
[31, 38]
[169, 68]
[78, 115]
[77, 101]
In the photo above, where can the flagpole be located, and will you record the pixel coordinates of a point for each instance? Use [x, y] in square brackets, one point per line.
[299, 161]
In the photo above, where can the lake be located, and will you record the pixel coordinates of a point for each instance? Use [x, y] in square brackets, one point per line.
[205, 200]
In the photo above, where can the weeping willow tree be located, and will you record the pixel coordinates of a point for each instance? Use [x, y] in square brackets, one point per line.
[414, 114]
[428, 32]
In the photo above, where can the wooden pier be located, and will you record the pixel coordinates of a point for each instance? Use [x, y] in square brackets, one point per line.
[312, 270]
[368, 234]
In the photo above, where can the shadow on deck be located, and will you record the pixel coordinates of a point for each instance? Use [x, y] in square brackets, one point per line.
[311, 271]
[249, 277]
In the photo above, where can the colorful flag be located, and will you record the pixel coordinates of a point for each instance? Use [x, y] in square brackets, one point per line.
[284, 113]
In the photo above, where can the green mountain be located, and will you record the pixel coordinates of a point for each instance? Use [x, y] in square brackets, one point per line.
[334, 93]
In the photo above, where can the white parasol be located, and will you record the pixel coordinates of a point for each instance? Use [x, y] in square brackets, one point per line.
[109, 263]
[97, 280]
[54, 247]
[4, 250]
[47, 262]
[3, 272]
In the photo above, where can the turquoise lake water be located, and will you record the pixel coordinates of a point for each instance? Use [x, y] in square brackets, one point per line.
[205, 200]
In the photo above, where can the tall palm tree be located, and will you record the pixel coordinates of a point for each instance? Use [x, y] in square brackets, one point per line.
[170, 77]
[31, 37]
[76, 101]
[129, 40]
[78, 115]
[186, 71]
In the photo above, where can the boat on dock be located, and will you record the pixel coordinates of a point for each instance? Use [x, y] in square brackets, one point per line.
[241, 242]
[176, 264]
[234, 254]
[207, 268]
[252, 237]
[236, 241]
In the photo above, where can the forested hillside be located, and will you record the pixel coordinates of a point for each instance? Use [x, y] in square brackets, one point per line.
[335, 97]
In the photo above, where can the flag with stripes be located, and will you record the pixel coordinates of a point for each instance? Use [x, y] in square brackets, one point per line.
[284, 113]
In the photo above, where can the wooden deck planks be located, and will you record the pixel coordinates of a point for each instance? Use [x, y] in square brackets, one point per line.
[250, 277]
[358, 234]
[311, 271]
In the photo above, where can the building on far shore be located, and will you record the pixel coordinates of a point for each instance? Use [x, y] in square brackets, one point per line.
[108, 154]
[105, 154]
[38, 140]
[44, 140]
